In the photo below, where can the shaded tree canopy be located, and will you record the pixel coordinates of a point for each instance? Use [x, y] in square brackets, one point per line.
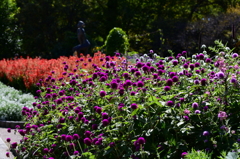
[47, 28]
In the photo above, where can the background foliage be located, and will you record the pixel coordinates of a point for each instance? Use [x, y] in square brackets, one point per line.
[47, 28]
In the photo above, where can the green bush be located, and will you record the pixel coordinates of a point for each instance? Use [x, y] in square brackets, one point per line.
[116, 40]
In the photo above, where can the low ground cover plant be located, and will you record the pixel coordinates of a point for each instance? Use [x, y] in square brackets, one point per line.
[156, 108]
[12, 101]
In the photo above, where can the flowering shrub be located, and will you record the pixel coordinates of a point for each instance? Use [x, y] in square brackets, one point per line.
[153, 109]
[11, 103]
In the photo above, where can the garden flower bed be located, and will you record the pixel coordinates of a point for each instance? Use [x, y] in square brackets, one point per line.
[156, 108]
[25, 73]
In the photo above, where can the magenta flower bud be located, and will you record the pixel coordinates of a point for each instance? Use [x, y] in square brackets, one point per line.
[175, 78]
[206, 133]
[112, 144]
[186, 118]
[94, 126]
[184, 154]
[8, 139]
[87, 141]
[141, 140]
[222, 115]
[102, 93]
[170, 103]
[169, 82]
[104, 115]
[14, 145]
[87, 133]
[76, 136]
[99, 110]
[8, 154]
[45, 150]
[69, 138]
[9, 130]
[105, 122]
[195, 105]
[134, 106]
[234, 55]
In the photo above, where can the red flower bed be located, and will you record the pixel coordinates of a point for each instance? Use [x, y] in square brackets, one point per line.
[32, 70]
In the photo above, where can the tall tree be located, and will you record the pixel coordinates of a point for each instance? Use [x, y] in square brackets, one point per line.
[8, 30]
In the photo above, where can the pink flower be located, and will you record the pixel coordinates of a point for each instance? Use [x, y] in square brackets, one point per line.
[186, 111]
[222, 115]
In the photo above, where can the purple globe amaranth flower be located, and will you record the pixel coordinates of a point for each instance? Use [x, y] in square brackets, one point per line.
[186, 118]
[195, 105]
[197, 111]
[185, 65]
[121, 91]
[197, 64]
[98, 110]
[103, 79]
[175, 78]
[170, 103]
[140, 84]
[141, 140]
[234, 55]
[174, 62]
[76, 136]
[8, 154]
[233, 80]
[111, 144]
[88, 133]
[117, 54]
[134, 106]
[167, 88]
[45, 150]
[206, 133]
[105, 122]
[139, 64]
[8, 139]
[169, 82]
[94, 126]
[145, 68]
[196, 82]
[222, 115]
[114, 85]
[102, 93]
[201, 56]
[76, 153]
[191, 66]
[184, 52]
[184, 154]
[203, 82]
[104, 115]
[155, 75]
[208, 60]
[181, 100]
[87, 141]
[138, 73]
[69, 138]
[14, 145]
[132, 93]
[128, 82]
[220, 75]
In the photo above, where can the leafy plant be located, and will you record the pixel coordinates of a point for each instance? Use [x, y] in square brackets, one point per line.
[116, 41]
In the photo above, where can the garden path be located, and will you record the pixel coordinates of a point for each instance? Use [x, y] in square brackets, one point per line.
[4, 146]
